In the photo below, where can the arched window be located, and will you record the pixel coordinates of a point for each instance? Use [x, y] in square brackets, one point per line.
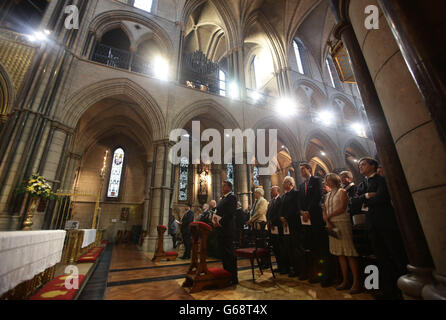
[299, 52]
[334, 79]
[255, 176]
[222, 82]
[116, 174]
[145, 5]
[230, 173]
[184, 179]
[255, 79]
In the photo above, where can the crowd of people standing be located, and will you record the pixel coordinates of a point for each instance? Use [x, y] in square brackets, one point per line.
[310, 227]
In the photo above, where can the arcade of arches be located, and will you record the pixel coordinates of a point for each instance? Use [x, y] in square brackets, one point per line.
[92, 110]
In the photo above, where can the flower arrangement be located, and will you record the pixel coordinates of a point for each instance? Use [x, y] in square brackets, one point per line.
[37, 187]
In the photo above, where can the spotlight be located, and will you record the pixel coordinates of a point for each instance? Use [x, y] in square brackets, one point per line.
[323, 153]
[326, 117]
[255, 96]
[31, 38]
[161, 68]
[234, 90]
[40, 35]
[286, 107]
[47, 32]
[358, 128]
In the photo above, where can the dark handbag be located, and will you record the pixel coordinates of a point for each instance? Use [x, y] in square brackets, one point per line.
[333, 233]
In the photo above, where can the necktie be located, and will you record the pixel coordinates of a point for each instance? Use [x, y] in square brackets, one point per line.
[306, 187]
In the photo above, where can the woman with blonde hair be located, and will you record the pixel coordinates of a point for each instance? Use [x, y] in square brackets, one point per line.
[258, 212]
[340, 227]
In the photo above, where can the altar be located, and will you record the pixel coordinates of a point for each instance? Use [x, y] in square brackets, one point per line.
[26, 254]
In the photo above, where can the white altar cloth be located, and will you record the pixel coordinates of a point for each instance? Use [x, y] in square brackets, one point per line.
[25, 254]
[89, 237]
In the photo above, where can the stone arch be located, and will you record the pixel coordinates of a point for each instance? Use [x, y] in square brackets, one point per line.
[7, 93]
[284, 133]
[204, 107]
[270, 37]
[114, 17]
[81, 100]
[313, 94]
[357, 146]
[109, 26]
[345, 108]
[331, 149]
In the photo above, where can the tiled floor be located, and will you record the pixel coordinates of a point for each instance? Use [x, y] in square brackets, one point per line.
[133, 276]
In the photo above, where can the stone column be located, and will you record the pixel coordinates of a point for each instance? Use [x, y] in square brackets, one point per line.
[216, 181]
[395, 110]
[147, 193]
[160, 194]
[267, 186]
[298, 177]
[410, 22]
[241, 179]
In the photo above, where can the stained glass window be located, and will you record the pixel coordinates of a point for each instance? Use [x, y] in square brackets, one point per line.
[255, 176]
[230, 173]
[145, 5]
[116, 174]
[184, 179]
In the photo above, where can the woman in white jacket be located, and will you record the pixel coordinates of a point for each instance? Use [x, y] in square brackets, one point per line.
[259, 208]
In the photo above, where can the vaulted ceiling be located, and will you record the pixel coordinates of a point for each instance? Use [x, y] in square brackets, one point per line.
[216, 26]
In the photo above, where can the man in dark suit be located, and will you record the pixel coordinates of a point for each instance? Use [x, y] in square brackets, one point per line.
[311, 211]
[351, 188]
[382, 228]
[275, 226]
[188, 218]
[289, 216]
[224, 219]
[240, 221]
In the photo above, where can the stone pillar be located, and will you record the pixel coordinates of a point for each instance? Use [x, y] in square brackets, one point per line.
[402, 131]
[160, 194]
[216, 181]
[147, 193]
[410, 22]
[267, 186]
[242, 183]
[298, 177]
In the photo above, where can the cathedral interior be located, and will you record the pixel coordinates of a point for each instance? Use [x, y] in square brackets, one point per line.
[91, 91]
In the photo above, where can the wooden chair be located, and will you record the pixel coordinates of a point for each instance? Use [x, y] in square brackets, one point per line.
[160, 254]
[259, 248]
[199, 276]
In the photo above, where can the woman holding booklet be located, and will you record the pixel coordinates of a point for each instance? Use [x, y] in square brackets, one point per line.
[340, 231]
